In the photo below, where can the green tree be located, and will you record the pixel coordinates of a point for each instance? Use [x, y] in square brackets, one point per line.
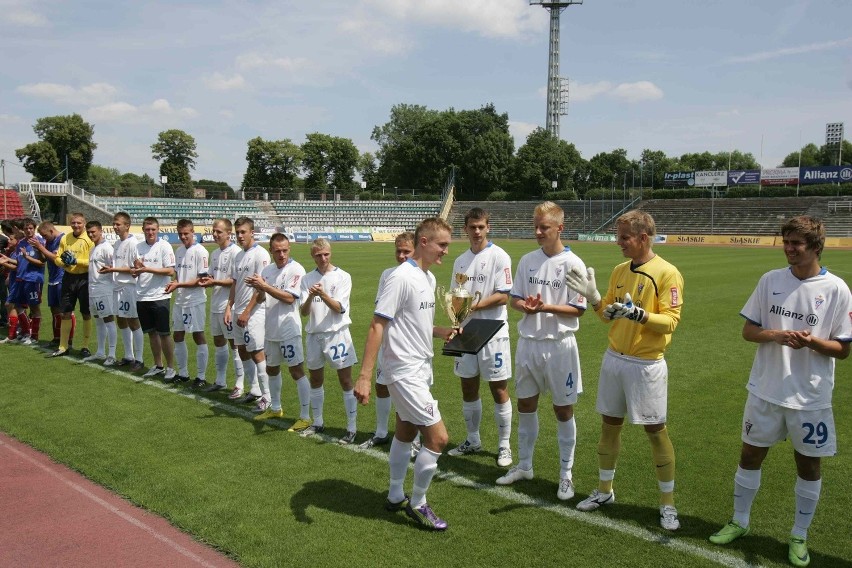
[400, 154]
[72, 140]
[608, 169]
[830, 153]
[175, 150]
[544, 159]
[272, 163]
[329, 161]
[369, 171]
[215, 189]
[809, 155]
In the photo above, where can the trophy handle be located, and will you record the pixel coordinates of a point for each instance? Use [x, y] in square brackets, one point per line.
[476, 297]
[446, 300]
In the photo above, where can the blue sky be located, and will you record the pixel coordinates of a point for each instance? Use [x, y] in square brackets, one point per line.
[675, 75]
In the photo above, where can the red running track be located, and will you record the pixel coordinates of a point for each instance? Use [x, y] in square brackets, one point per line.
[53, 516]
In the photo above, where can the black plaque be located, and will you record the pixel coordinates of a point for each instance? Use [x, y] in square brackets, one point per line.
[475, 335]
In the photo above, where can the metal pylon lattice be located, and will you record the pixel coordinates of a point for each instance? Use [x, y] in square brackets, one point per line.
[557, 92]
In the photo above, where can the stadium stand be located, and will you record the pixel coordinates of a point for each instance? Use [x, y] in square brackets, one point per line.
[294, 213]
[201, 211]
[10, 204]
[732, 216]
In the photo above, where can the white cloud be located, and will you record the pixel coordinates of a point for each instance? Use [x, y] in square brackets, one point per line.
[219, 82]
[128, 113]
[95, 93]
[260, 61]
[627, 92]
[489, 18]
[785, 51]
[637, 92]
[520, 131]
[21, 13]
[375, 36]
[10, 119]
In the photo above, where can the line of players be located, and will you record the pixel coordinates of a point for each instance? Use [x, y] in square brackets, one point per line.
[552, 288]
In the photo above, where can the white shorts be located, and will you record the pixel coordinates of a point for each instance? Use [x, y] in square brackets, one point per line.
[493, 363]
[334, 347]
[288, 351]
[633, 387]
[190, 319]
[253, 335]
[125, 299]
[548, 365]
[413, 400]
[811, 432]
[102, 306]
[218, 327]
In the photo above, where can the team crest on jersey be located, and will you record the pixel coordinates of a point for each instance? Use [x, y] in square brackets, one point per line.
[295, 282]
[748, 426]
[641, 287]
[430, 410]
[559, 272]
[482, 265]
[818, 301]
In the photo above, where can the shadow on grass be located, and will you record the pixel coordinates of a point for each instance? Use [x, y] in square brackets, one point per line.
[340, 496]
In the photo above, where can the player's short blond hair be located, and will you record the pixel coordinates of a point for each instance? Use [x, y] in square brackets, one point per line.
[639, 222]
[406, 237]
[550, 210]
[428, 227]
[320, 244]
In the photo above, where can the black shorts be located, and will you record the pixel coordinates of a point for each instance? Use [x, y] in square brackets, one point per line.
[154, 316]
[75, 287]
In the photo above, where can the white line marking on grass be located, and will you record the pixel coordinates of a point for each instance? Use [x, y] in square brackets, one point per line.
[504, 493]
[112, 508]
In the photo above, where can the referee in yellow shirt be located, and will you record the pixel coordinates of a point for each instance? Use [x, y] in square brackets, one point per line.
[73, 256]
[642, 305]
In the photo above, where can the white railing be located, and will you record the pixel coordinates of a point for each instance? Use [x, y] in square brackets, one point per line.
[835, 206]
[44, 187]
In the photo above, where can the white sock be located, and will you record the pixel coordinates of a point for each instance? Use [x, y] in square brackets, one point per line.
[182, 358]
[263, 379]
[503, 419]
[127, 342]
[303, 388]
[527, 435]
[807, 497]
[239, 371]
[221, 362]
[249, 379]
[275, 384]
[746, 484]
[317, 402]
[112, 337]
[351, 406]
[425, 467]
[383, 410]
[100, 333]
[138, 344]
[472, 412]
[202, 355]
[566, 433]
[398, 457]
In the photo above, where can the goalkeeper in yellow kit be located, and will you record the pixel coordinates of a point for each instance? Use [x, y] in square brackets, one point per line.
[642, 305]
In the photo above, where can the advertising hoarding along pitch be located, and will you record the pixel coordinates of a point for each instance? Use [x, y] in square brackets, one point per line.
[710, 178]
[779, 176]
[679, 179]
[826, 174]
[743, 177]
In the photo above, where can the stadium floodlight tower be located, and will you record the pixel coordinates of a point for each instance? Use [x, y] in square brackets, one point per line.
[557, 93]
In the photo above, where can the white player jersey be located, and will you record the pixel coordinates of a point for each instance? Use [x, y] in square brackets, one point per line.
[282, 319]
[221, 263]
[247, 263]
[151, 287]
[189, 263]
[338, 284]
[407, 300]
[101, 284]
[797, 378]
[382, 279]
[538, 273]
[490, 271]
[125, 252]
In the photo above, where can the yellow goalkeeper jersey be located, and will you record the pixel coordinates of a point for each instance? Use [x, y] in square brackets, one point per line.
[657, 288]
[79, 247]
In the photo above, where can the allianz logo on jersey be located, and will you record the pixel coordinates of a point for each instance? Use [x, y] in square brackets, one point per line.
[555, 284]
[427, 305]
[810, 319]
[184, 265]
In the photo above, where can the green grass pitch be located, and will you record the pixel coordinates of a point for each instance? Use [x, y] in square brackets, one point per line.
[270, 498]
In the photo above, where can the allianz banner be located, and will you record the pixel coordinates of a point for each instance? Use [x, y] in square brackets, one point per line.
[825, 174]
[743, 177]
[679, 179]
